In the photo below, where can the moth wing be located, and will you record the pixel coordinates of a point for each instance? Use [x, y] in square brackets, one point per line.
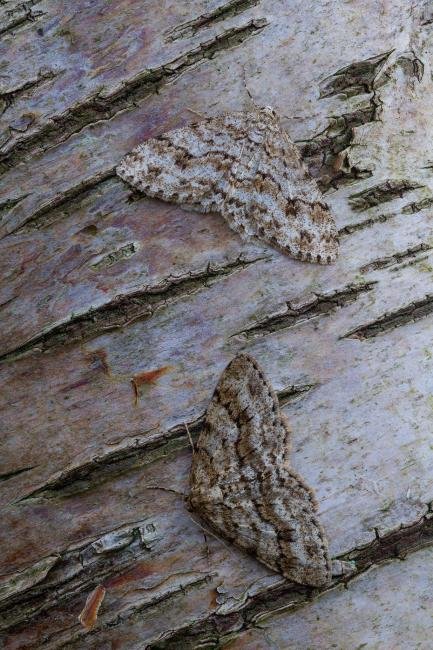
[292, 508]
[243, 166]
[190, 165]
[240, 482]
[278, 201]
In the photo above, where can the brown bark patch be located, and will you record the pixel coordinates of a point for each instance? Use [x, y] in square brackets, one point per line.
[147, 377]
[89, 614]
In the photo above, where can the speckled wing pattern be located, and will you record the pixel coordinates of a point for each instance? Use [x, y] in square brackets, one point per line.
[242, 485]
[243, 166]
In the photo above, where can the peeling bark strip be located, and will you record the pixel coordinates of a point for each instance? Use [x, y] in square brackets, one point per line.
[104, 561]
[148, 448]
[103, 107]
[123, 253]
[125, 309]
[321, 305]
[217, 628]
[413, 312]
[190, 28]
[381, 193]
[13, 586]
[108, 560]
[410, 254]
[355, 79]
[326, 153]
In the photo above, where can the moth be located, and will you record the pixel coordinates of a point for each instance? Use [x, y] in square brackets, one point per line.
[243, 166]
[242, 484]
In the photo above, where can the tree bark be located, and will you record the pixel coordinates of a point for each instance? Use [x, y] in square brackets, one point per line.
[119, 314]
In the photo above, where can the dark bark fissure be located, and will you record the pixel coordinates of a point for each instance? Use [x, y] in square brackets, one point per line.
[410, 314]
[154, 445]
[9, 204]
[190, 28]
[20, 16]
[218, 630]
[99, 108]
[410, 208]
[416, 206]
[324, 153]
[9, 96]
[16, 472]
[322, 305]
[125, 309]
[411, 254]
[354, 227]
[50, 213]
[381, 193]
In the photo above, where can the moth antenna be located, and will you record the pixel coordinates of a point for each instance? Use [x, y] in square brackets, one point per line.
[190, 437]
[157, 487]
[253, 101]
[200, 115]
[209, 532]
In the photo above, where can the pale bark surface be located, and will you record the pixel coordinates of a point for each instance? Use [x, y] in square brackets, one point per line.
[101, 285]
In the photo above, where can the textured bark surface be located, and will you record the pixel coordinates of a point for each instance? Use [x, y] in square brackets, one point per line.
[119, 313]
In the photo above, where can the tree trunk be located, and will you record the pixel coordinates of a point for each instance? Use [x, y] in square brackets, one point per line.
[119, 314]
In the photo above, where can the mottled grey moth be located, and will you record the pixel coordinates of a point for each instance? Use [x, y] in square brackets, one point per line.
[245, 167]
[242, 485]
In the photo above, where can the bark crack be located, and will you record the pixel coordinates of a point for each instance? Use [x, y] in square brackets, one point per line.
[410, 254]
[416, 206]
[287, 597]
[16, 472]
[320, 305]
[20, 16]
[380, 218]
[191, 27]
[125, 309]
[100, 108]
[381, 193]
[409, 314]
[112, 559]
[48, 213]
[147, 448]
